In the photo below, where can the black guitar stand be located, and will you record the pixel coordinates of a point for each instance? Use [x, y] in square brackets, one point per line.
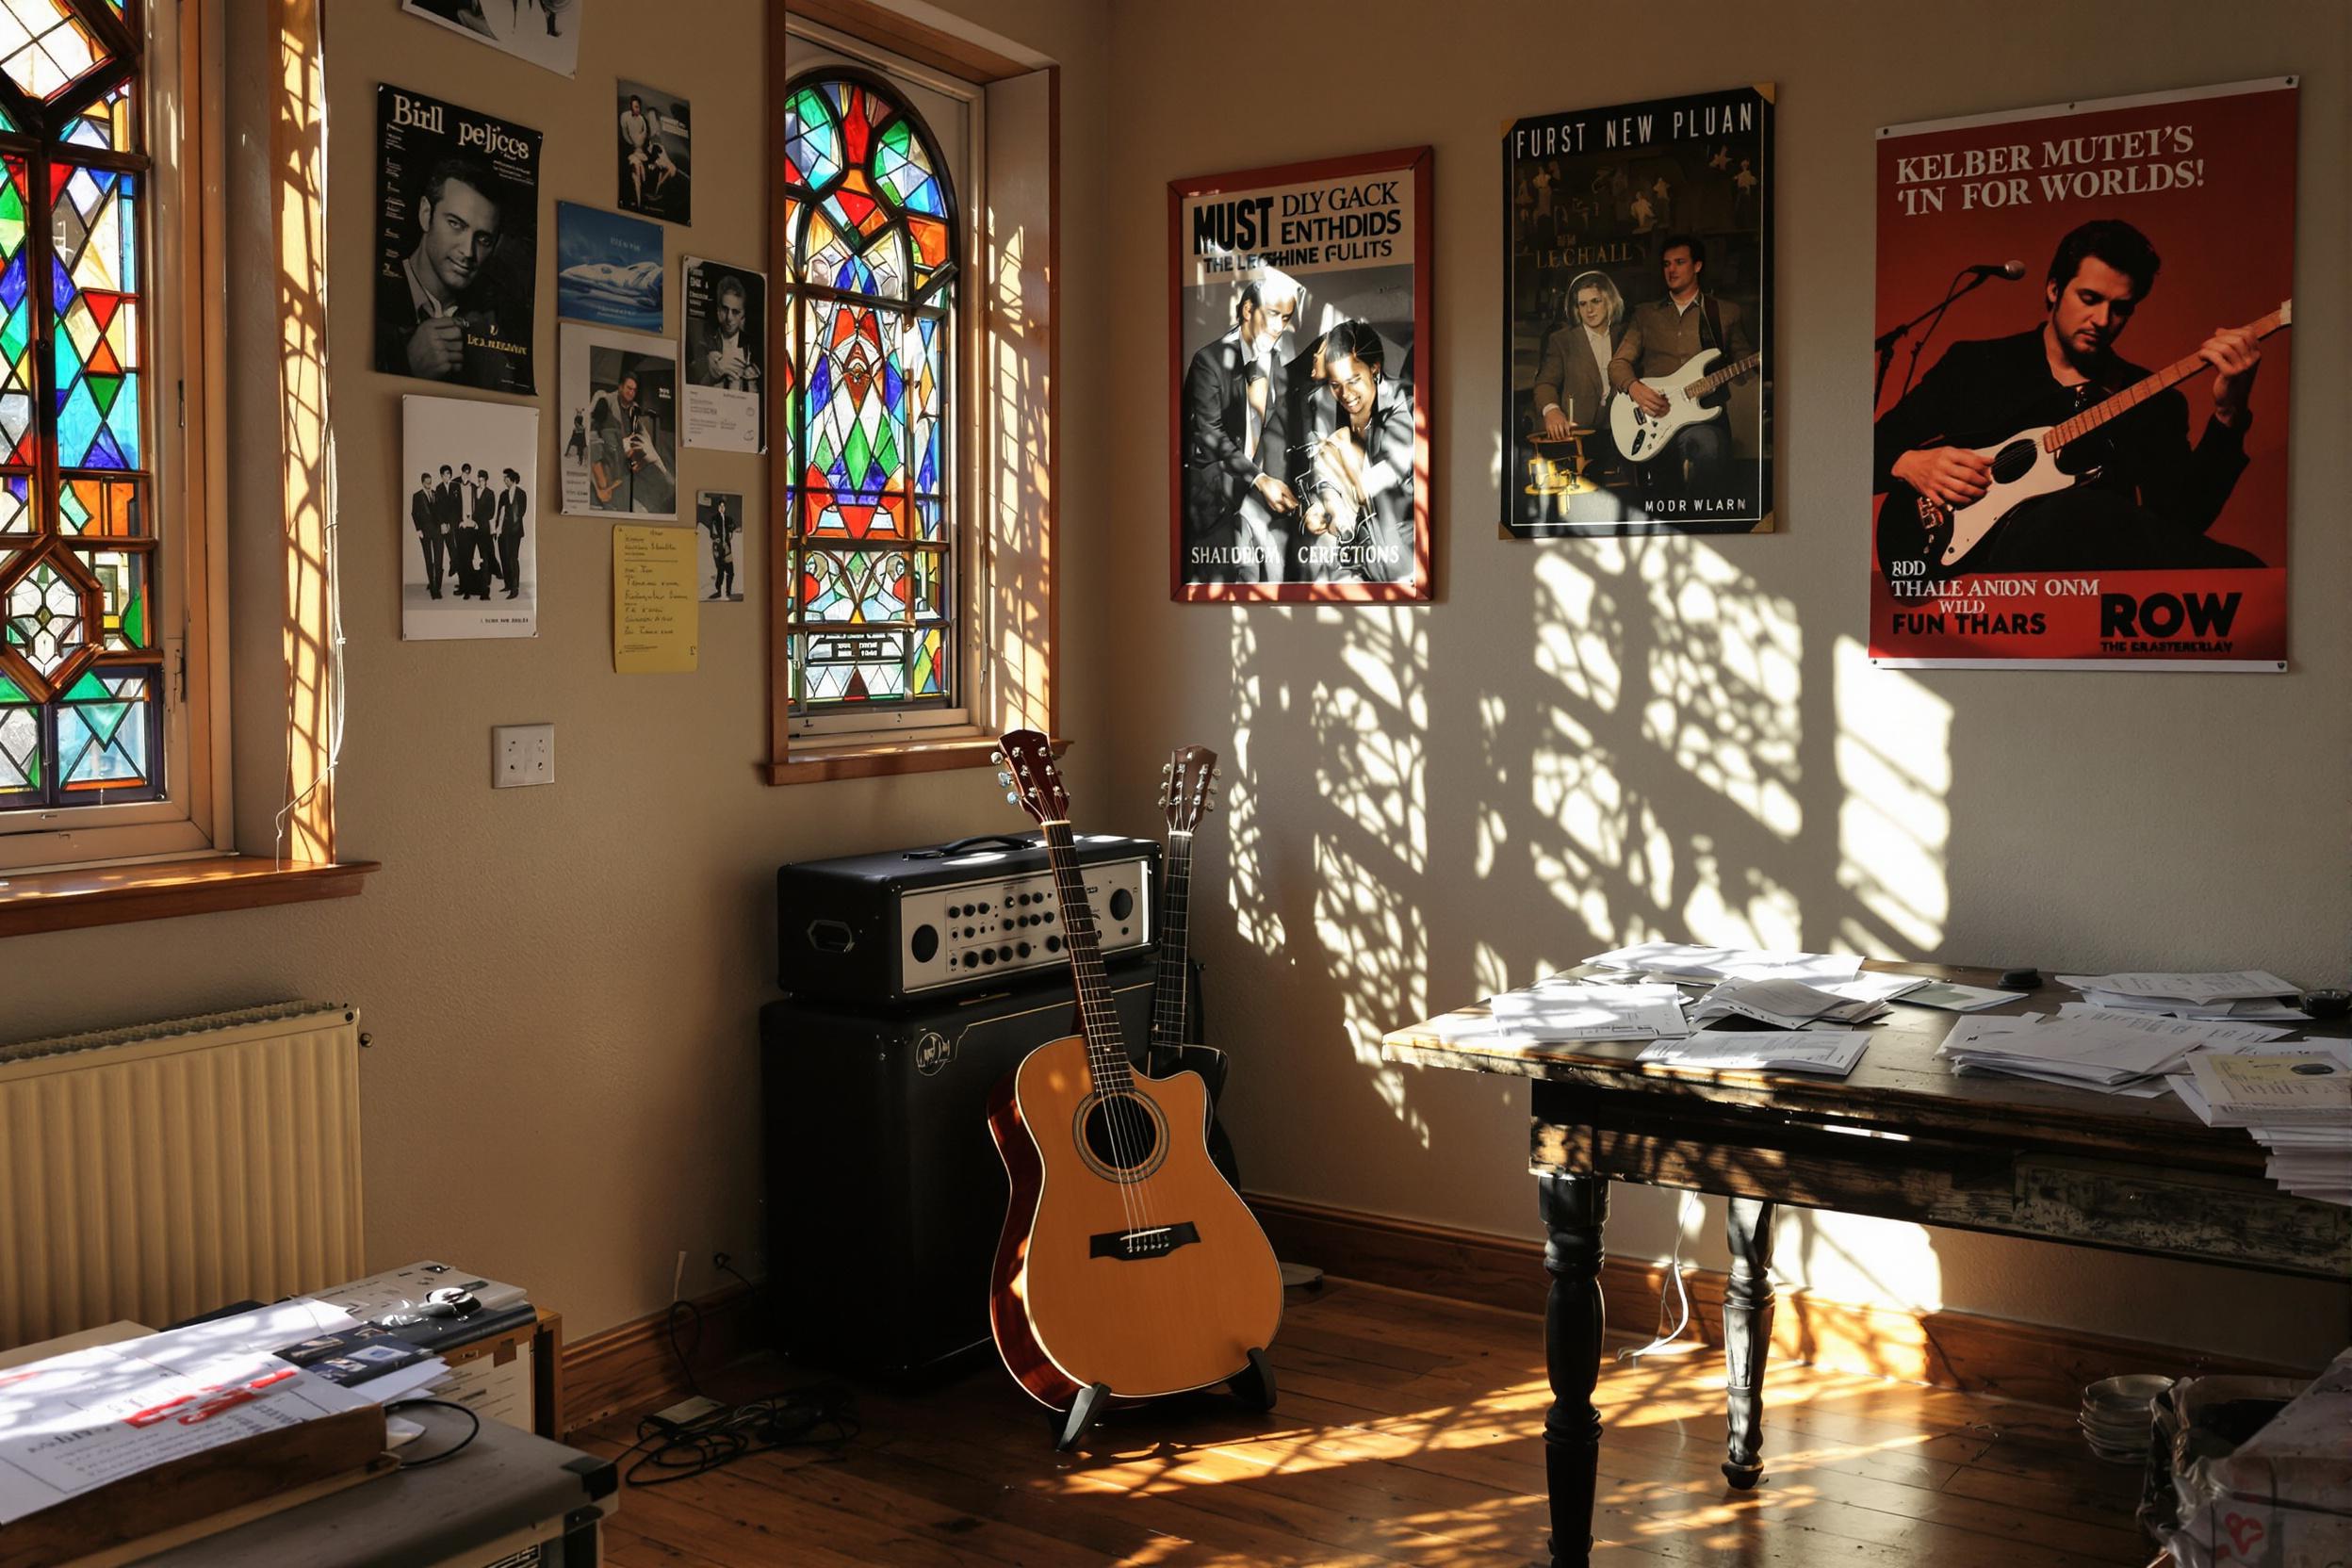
[1254, 1385]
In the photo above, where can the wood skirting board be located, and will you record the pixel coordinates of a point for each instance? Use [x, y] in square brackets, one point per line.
[2031, 1362]
[631, 1369]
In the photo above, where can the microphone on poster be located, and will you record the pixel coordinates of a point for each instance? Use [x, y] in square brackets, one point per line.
[2010, 269]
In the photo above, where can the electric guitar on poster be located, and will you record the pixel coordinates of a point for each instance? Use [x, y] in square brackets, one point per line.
[1642, 436]
[2030, 464]
[1186, 780]
[1128, 1268]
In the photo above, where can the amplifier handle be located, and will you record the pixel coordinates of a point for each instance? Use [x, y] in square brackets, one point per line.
[831, 936]
[985, 841]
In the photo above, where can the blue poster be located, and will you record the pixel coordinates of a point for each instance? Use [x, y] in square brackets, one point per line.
[608, 267]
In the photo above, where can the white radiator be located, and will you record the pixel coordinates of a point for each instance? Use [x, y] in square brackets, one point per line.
[157, 1172]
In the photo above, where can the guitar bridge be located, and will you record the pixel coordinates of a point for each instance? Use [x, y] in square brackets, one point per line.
[1155, 1241]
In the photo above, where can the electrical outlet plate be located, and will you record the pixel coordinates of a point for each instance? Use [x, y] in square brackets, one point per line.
[522, 753]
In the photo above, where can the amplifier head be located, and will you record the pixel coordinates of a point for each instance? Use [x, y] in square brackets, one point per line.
[941, 919]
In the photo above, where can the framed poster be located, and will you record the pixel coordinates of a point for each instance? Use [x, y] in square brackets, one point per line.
[1637, 307]
[1301, 460]
[2079, 450]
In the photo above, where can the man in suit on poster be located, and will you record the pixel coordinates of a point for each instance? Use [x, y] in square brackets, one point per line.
[444, 506]
[444, 318]
[1663, 335]
[1234, 443]
[424, 516]
[513, 504]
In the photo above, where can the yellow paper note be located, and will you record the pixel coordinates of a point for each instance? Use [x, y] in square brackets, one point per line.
[655, 619]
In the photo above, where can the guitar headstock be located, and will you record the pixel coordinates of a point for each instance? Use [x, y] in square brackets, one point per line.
[1029, 772]
[1186, 781]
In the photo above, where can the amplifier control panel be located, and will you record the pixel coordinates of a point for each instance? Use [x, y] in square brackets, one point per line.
[1012, 923]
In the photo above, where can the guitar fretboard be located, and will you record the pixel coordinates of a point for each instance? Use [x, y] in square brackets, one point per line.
[1170, 989]
[2139, 392]
[1707, 384]
[1098, 1018]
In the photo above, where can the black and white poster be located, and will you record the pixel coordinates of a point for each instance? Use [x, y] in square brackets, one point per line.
[1301, 425]
[1637, 302]
[545, 32]
[655, 167]
[719, 516]
[457, 197]
[619, 408]
[725, 313]
[469, 563]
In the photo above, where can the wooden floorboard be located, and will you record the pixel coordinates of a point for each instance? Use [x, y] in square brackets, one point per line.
[1408, 1435]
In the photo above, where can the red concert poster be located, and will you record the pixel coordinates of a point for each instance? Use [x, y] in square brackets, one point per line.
[2084, 339]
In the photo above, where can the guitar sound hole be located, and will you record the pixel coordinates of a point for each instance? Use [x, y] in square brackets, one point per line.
[1120, 1132]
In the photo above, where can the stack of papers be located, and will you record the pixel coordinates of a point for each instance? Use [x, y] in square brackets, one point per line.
[2240, 993]
[1686, 961]
[1562, 1010]
[1830, 1051]
[1789, 1004]
[2121, 1057]
[2297, 1102]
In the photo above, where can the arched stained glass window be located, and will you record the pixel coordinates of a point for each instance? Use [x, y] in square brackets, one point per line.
[869, 300]
[81, 676]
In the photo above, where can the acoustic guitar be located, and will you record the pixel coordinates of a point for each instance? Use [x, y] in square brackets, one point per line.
[1186, 782]
[1128, 1268]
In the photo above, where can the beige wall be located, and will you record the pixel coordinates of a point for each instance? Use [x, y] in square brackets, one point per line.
[1584, 741]
[562, 983]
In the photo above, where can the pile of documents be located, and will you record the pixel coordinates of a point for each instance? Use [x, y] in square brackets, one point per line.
[1794, 1004]
[1686, 961]
[2297, 1102]
[1831, 1051]
[2241, 993]
[2111, 1048]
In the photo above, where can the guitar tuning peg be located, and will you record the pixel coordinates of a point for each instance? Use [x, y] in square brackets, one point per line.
[1003, 778]
[996, 757]
[1012, 797]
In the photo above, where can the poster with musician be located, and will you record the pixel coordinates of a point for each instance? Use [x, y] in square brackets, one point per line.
[2079, 445]
[1637, 305]
[1299, 298]
[457, 214]
[618, 410]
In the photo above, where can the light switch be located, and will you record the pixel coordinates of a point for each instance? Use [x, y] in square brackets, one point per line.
[522, 753]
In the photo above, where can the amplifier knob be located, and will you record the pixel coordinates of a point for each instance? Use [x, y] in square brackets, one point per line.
[924, 943]
[1005, 954]
[1122, 903]
[972, 960]
[1053, 944]
[1022, 950]
[989, 955]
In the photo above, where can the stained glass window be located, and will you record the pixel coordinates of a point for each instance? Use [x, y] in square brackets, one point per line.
[869, 300]
[81, 672]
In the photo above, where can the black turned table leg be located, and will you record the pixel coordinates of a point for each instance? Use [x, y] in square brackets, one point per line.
[1747, 1335]
[1574, 1210]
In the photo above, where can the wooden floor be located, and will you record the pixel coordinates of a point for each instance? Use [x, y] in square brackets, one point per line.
[1407, 1432]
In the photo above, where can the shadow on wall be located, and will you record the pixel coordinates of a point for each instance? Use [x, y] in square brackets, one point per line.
[1417, 825]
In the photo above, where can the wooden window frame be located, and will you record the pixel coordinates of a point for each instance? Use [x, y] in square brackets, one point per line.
[885, 749]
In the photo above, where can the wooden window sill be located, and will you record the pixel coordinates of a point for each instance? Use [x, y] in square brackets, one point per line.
[811, 763]
[114, 895]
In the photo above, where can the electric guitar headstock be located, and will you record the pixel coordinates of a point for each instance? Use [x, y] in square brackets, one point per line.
[1188, 781]
[1029, 775]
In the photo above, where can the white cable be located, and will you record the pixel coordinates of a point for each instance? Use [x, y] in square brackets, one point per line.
[1664, 1344]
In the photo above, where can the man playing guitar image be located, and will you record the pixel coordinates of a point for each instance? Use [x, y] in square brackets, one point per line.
[2146, 497]
[1661, 337]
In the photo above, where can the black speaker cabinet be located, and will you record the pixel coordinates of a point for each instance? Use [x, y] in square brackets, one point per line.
[884, 1192]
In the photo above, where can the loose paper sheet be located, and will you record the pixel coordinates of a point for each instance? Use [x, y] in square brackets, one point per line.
[656, 625]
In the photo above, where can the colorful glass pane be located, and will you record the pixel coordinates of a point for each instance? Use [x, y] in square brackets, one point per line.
[16, 500]
[18, 439]
[124, 617]
[105, 730]
[855, 399]
[97, 508]
[866, 420]
[95, 350]
[45, 618]
[108, 123]
[43, 47]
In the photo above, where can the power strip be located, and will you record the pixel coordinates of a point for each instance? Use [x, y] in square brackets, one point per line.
[687, 1414]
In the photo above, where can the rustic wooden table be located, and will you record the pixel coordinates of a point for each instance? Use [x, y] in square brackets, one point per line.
[1901, 1137]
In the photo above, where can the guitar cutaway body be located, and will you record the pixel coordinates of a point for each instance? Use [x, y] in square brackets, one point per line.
[1126, 1259]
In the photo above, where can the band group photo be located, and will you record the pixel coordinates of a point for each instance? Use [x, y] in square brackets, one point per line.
[1636, 253]
[1301, 430]
[469, 563]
